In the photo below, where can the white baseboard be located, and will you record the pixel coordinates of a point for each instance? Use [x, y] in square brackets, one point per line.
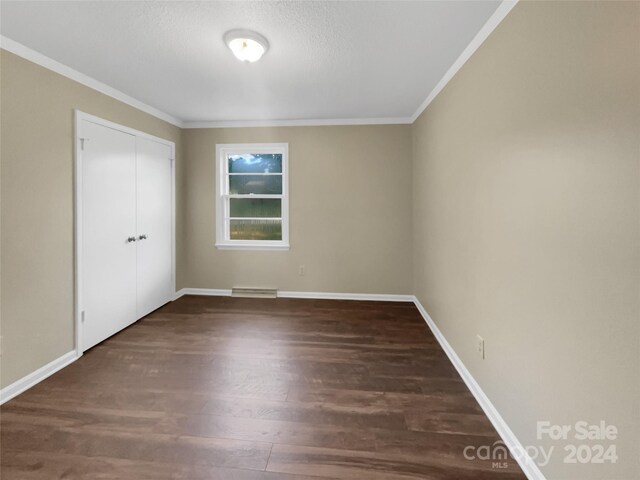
[509, 438]
[528, 466]
[25, 383]
[209, 292]
[318, 295]
[348, 296]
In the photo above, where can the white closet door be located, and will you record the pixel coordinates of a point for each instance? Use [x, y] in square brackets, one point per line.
[154, 205]
[108, 226]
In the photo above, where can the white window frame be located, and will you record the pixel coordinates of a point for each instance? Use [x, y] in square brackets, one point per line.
[223, 240]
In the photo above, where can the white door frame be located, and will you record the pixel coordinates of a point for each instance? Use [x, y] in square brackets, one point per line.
[78, 147]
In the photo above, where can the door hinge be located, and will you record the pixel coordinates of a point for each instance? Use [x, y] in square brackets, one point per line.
[82, 140]
[82, 316]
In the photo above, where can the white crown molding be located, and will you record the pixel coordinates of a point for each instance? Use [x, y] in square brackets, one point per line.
[527, 464]
[501, 12]
[55, 66]
[25, 52]
[299, 123]
[28, 381]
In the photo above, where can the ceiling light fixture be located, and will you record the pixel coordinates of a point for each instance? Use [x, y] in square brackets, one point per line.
[246, 45]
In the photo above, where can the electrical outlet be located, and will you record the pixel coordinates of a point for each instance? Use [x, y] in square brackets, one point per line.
[480, 346]
[301, 270]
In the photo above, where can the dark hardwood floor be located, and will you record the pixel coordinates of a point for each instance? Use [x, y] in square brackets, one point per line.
[251, 389]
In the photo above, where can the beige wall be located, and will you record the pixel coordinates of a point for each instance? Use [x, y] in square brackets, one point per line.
[37, 293]
[350, 207]
[526, 220]
[518, 219]
[350, 211]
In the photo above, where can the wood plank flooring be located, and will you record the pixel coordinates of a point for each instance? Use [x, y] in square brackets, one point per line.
[251, 389]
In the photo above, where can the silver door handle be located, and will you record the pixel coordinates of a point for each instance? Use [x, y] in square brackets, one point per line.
[142, 237]
[131, 239]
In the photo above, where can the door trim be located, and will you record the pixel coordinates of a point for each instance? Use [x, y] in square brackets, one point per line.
[79, 117]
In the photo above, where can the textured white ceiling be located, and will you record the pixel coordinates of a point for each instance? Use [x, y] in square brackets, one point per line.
[327, 59]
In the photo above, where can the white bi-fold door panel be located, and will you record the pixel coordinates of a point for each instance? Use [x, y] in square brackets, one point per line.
[126, 234]
[154, 207]
[108, 227]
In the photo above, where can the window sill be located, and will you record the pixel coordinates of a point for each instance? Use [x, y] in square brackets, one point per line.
[252, 246]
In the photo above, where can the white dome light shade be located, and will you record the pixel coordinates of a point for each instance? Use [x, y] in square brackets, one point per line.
[246, 45]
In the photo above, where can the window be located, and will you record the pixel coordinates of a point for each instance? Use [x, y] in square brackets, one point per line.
[252, 196]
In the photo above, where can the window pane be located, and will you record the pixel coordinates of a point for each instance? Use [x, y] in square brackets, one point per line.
[255, 229]
[255, 163]
[258, 184]
[259, 207]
